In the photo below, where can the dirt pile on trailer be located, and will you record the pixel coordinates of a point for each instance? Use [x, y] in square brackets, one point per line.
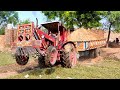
[86, 35]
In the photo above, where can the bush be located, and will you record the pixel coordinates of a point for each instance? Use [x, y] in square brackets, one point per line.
[2, 31]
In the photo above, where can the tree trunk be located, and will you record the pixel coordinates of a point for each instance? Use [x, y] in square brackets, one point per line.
[107, 43]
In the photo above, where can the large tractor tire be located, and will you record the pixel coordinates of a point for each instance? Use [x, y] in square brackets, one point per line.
[21, 56]
[41, 61]
[69, 56]
[51, 56]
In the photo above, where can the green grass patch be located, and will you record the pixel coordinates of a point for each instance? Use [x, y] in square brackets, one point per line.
[6, 58]
[107, 69]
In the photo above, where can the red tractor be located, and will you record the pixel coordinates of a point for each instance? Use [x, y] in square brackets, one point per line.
[51, 46]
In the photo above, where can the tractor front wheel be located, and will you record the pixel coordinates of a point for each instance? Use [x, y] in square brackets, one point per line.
[21, 56]
[22, 60]
[51, 56]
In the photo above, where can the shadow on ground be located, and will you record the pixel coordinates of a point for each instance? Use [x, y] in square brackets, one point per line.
[36, 70]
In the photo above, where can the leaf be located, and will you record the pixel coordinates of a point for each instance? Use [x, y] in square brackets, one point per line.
[27, 21]
[76, 18]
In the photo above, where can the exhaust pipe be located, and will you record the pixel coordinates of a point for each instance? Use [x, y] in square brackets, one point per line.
[36, 22]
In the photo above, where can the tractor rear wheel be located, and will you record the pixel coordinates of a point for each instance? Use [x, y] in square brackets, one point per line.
[69, 56]
[51, 56]
[41, 61]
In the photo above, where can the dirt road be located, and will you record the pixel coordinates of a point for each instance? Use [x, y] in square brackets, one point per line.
[14, 69]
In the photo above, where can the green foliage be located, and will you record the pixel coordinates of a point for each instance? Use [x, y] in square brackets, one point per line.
[7, 17]
[27, 21]
[87, 19]
[6, 58]
[117, 30]
[2, 31]
[113, 17]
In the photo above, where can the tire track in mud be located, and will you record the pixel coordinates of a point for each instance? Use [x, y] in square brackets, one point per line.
[15, 69]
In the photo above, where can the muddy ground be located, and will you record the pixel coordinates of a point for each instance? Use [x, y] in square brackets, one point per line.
[14, 69]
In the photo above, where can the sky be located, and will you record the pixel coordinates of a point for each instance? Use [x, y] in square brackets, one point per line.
[32, 15]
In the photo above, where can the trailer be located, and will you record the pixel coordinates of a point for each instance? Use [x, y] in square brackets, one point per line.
[88, 42]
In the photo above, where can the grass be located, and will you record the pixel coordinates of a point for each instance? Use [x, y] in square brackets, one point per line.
[107, 69]
[6, 58]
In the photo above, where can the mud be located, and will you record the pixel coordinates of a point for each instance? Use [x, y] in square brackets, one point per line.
[14, 69]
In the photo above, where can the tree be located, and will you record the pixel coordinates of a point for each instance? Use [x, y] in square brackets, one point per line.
[113, 17]
[7, 17]
[86, 19]
[27, 21]
[2, 31]
[116, 24]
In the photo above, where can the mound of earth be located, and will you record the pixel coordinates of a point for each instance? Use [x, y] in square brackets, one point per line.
[82, 34]
[111, 53]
